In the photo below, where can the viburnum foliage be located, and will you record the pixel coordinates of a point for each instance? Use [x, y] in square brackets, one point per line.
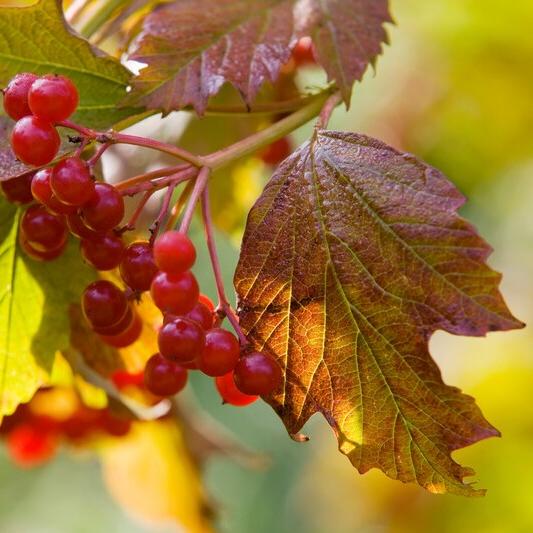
[352, 257]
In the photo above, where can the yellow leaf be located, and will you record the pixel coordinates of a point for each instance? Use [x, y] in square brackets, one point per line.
[150, 473]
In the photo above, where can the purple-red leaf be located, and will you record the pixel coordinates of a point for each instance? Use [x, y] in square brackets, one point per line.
[352, 257]
[347, 35]
[192, 47]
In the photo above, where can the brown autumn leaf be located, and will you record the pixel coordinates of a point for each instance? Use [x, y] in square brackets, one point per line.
[352, 257]
[347, 35]
[192, 47]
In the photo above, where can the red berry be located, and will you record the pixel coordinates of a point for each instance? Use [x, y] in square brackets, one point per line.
[42, 192]
[129, 336]
[174, 252]
[103, 252]
[201, 314]
[71, 181]
[257, 373]
[18, 190]
[163, 377]
[43, 231]
[138, 268]
[230, 393]
[105, 209]
[35, 141]
[114, 425]
[119, 328]
[181, 340]
[29, 446]
[104, 304]
[175, 294]
[36, 254]
[123, 379]
[303, 53]
[78, 228]
[53, 98]
[276, 152]
[16, 95]
[203, 299]
[220, 354]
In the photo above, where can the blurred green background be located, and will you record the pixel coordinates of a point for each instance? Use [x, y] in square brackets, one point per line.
[456, 88]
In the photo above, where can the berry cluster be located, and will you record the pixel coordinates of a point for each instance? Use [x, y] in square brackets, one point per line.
[70, 200]
[33, 438]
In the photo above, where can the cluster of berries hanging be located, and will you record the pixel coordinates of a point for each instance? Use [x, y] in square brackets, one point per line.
[70, 200]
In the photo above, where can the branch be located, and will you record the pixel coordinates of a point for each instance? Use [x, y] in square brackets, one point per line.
[223, 304]
[199, 187]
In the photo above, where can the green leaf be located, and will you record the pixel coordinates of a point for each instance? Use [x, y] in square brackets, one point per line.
[352, 257]
[34, 303]
[38, 39]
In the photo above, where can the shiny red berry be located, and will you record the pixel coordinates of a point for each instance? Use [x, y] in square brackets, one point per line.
[163, 377]
[128, 337]
[120, 327]
[78, 228]
[138, 268]
[104, 304]
[203, 299]
[105, 209]
[257, 373]
[303, 53]
[53, 98]
[103, 252]
[174, 252]
[43, 230]
[201, 314]
[37, 255]
[42, 192]
[220, 354]
[175, 294]
[35, 141]
[230, 393]
[181, 340]
[71, 181]
[18, 190]
[16, 95]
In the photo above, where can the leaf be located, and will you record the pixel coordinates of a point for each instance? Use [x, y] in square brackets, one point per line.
[34, 302]
[352, 257]
[192, 47]
[347, 35]
[9, 165]
[151, 474]
[38, 39]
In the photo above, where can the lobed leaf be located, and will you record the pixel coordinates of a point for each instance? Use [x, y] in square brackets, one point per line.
[38, 39]
[34, 302]
[192, 47]
[352, 257]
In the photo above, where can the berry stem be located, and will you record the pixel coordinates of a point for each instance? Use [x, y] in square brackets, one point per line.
[177, 178]
[130, 226]
[154, 228]
[178, 206]
[148, 176]
[223, 304]
[199, 186]
[268, 135]
[331, 103]
[114, 137]
[98, 154]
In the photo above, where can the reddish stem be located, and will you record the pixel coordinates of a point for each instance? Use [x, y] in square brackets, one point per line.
[178, 206]
[154, 228]
[199, 186]
[148, 176]
[130, 226]
[99, 153]
[223, 303]
[155, 185]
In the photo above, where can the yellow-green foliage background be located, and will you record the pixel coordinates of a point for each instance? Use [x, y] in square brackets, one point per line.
[455, 88]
